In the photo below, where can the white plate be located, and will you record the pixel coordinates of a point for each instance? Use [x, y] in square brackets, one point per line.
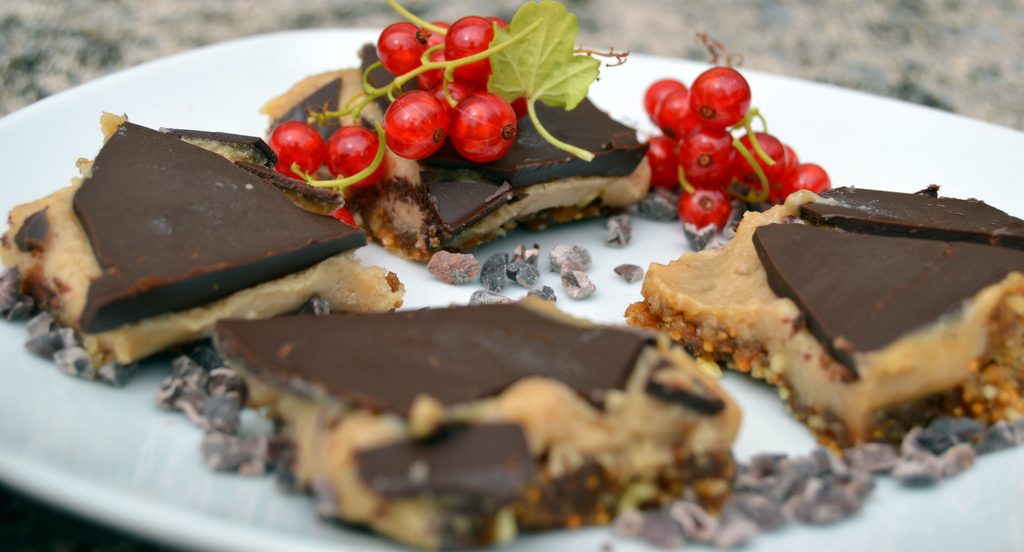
[113, 456]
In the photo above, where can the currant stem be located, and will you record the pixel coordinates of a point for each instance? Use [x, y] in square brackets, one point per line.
[414, 19]
[578, 152]
[367, 87]
[746, 124]
[342, 183]
[447, 93]
[687, 187]
[752, 197]
[425, 58]
[400, 81]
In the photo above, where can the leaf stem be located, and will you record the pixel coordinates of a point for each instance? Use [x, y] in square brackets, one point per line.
[578, 152]
[416, 20]
[342, 183]
[751, 196]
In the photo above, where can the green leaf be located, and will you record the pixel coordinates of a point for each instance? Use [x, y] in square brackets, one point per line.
[543, 66]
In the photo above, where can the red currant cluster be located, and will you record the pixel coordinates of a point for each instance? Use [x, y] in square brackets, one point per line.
[699, 151]
[453, 104]
[480, 125]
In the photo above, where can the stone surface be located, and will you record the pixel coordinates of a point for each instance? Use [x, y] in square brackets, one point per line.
[951, 54]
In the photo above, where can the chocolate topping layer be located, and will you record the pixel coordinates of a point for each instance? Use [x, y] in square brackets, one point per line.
[532, 160]
[174, 226]
[915, 215]
[489, 460]
[696, 397]
[256, 144]
[455, 355]
[326, 98]
[32, 234]
[292, 185]
[860, 292]
[459, 203]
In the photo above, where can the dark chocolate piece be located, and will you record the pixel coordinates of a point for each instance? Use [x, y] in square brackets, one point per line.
[697, 397]
[259, 150]
[32, 234]
[293, 185]
[455, 354]
[919, 215]
[860, 292]
[459, 203]
[174, 226]
[532, 159]
[485, 461]
[326, 98]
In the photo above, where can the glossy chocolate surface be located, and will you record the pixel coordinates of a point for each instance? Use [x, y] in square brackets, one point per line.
[174, 226]
[488, 460]
[917, 215]
[861, 292]
[455, 354]
[458, 203]
[32, 234]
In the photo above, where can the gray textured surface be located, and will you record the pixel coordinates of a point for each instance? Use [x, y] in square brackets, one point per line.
[959, 55]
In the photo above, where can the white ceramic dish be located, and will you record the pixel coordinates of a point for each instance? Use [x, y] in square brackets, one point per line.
[112, 455]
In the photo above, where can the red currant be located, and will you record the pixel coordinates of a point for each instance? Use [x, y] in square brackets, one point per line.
[720, 96]
[297, 142]
[657, 92]
[344, 215]
[791, 159]
[400, 47]
[468, 36]
[661, 156]
[483, 127]
[519, 106]
[671, 112]
[706, 156]
[705, 207]
[775, 190]
[806, 177]
[352, 149]
[430, 78]
[773, 147]
[457, 89]
[416, 125]
[433, 39]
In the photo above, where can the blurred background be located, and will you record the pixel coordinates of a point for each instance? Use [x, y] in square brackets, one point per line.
[963, 56]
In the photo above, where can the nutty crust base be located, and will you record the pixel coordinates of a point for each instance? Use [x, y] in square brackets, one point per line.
[995, 391]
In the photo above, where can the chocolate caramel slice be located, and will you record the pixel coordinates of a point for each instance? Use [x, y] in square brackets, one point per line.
[861, 292]
[174, 226]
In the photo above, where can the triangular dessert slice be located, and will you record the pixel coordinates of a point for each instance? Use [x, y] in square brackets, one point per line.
[466, 424]
[175, 226]
[860, 292]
